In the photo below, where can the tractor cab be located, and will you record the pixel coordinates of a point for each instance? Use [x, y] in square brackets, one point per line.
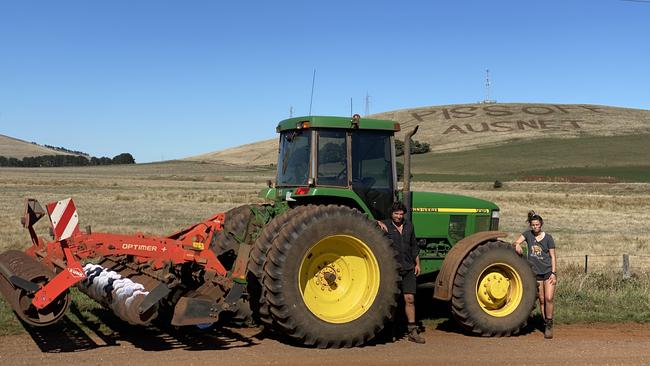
[320, 156]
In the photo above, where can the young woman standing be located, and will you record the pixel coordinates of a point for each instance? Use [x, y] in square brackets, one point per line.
[541, 257]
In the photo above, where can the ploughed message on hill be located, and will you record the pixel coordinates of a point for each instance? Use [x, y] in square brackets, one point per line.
[463, 127]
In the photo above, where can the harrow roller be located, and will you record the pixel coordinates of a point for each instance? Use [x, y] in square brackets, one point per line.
[20, 278]
[118, 293]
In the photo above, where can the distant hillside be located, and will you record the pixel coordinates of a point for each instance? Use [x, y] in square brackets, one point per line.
[458, 128]
[255, 154]
[470, 126]
[15, 148]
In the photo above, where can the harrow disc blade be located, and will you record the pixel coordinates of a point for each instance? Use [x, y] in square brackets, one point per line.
[27, 268]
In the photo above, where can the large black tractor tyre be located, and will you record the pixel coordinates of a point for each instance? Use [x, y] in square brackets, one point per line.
[331, 278]
[494, 291]
[225, 244]
[255, 276]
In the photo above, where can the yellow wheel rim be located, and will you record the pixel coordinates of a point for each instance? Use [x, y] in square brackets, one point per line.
[339, 278]
[499, 290]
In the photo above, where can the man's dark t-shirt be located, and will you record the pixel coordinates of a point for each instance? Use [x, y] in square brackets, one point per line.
[538, 255]
[404, 243]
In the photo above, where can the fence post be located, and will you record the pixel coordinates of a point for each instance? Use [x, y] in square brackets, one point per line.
[626, 266]
[586, 262]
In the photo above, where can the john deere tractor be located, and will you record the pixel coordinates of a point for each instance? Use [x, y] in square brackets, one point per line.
[321, 271]
[312, 263]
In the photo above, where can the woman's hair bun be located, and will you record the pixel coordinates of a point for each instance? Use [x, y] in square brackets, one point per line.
[532, 215]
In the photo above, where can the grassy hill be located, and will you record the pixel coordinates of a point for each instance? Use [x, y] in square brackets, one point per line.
[261, 153]
[592, 158]
[14, 148]
[508, 141]
[474, 126]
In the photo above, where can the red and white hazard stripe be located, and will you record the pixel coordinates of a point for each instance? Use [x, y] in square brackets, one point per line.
[64, 218]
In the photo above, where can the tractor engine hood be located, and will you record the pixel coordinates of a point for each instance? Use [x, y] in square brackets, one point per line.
[453, 203]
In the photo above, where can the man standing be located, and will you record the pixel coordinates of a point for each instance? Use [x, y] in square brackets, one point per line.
[402, 234]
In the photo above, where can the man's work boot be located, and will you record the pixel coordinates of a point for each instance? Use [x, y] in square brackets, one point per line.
[548, 329]
[414, 335]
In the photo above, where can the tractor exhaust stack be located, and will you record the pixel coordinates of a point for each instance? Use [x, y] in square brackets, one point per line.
[407, 171]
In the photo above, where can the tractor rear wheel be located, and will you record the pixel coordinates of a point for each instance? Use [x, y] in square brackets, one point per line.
[225, 245]
[255, 277]
[331, 278]
[494, 291]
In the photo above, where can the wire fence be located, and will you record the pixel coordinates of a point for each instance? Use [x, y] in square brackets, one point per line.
[620, 262]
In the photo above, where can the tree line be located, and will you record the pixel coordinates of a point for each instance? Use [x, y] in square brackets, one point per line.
[417, 147]
[65, 160]
[63, 149]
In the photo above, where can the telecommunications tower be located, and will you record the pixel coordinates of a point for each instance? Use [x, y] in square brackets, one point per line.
[367, 104]
[488, 84]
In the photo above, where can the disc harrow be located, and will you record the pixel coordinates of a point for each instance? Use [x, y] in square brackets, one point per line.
[139, 277]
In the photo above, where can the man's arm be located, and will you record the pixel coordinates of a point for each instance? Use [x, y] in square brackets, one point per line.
[382, 226]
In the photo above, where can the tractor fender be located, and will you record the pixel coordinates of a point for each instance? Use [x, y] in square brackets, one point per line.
[445, 279]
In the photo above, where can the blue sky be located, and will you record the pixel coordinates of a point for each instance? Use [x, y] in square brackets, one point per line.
[171, 79]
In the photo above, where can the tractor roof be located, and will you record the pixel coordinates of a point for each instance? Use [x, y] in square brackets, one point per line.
[336, 122]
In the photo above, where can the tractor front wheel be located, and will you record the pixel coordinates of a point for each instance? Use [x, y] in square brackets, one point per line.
[494, 291]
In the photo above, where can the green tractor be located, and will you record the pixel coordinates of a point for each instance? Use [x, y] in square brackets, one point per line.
[321, 272]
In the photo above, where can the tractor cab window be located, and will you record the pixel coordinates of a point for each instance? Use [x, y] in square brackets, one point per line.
[372, 170]
[332, 158]
[293, 159]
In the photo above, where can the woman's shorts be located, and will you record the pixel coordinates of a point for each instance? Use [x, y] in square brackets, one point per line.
[543, 277]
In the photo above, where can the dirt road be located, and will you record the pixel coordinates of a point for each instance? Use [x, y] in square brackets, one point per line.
[602, 344]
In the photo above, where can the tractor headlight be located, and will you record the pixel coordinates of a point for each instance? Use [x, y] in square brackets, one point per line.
[494, 224]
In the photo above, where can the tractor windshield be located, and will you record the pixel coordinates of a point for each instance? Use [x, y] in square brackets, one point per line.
[293, 161]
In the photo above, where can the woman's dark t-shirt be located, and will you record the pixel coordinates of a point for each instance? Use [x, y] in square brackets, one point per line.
[538, 252]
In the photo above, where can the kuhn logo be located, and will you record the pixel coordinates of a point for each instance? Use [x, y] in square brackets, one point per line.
[148, 248]
[76, 272]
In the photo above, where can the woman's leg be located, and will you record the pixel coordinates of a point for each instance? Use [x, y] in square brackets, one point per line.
[549, 294]
[540, 297]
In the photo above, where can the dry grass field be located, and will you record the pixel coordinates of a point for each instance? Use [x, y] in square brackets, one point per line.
[597, 219]
[602, 220]
[152, 198]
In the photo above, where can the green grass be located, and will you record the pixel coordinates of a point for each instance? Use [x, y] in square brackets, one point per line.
[595, 297]
[602, 297]
[621, 173]
[631, 174]
[9, 323]
[625, 158]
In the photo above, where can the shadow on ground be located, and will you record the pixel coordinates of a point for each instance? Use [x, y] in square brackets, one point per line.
[439, 313]
[82, 334]
[78, 332]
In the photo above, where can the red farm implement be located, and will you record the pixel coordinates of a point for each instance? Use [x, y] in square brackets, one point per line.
[139, 277]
